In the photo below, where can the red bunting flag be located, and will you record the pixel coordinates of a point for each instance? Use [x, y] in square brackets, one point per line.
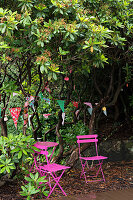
[75, 104]
[15, 114]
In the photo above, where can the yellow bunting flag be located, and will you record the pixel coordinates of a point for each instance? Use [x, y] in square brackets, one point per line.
[91, 49]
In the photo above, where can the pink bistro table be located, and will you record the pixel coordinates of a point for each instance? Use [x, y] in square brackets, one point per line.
[45, 146]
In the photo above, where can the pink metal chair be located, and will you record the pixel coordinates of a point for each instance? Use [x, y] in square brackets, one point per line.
[52, 171]
[37, 154]
[96, 161]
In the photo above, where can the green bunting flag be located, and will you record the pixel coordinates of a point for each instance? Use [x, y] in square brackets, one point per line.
[61, 104]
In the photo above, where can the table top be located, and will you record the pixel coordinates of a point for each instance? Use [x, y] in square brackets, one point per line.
[45, 145]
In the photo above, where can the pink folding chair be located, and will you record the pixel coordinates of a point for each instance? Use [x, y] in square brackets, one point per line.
[51, 171]
[96, 161]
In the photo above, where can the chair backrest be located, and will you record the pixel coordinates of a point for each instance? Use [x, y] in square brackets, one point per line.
[87, 139]
[42, 152]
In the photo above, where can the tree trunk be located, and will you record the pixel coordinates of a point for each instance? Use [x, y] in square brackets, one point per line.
[3, 127]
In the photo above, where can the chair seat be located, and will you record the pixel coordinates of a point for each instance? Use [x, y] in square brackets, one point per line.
[94, 158]
[53, 167]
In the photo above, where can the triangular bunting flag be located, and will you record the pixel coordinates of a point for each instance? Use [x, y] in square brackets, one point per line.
[15, 114]
[29, 119]
[63, 118]
[104, 110]
[88, 104]
[31, 98]
[75, 104]
[26, 104]
[47, 100]
[90, 110]
[14, 94]
[32, 105]
[46, 115]
[77, 112]
[61, 104]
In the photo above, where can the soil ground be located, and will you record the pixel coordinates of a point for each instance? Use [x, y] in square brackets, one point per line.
[119, 176]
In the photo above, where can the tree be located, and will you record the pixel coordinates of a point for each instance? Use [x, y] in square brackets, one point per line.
[49, 41]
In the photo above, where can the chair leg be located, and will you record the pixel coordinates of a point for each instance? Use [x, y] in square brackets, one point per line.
[56, 179]
[83, 171]
[99, 169]
[102, 174]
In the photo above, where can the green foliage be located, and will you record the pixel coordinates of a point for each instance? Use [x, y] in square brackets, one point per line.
[51, 36]
[35, 186]
[69, 134]
[15, 150]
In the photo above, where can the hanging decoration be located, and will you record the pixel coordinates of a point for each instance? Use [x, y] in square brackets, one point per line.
[31, 98]
[29, 119]
[47, 100]
[32, 105]
[15, 114]
[66, 78]
[46, 115]
[26, 104]
[61, 104]
[90, 110]
[75, 104]
[77, 114]
[88, 104]
[30, 102]
[14, 94]
[104, 110]
[63, 118]
[5, 118]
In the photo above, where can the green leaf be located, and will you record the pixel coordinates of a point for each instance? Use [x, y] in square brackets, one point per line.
[15, 150]
[3, 169]
[42, 68]
[54, 76]
[19, 154]
[25, 152]
[42, 179]
[60, 50]
[8, 169]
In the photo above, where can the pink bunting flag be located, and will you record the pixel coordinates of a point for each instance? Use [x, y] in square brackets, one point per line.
[46, 115]
[31, 98]
[14, 94]
[77, 114]
[15, 114]
[88, 104]
[26, 104]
